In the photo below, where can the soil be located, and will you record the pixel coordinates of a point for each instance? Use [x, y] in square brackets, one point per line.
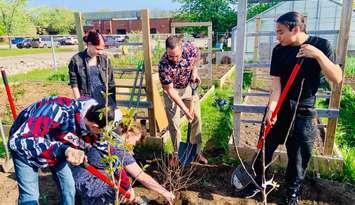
[25, 93]
[214, 180]
[213, 188]
[218, 70]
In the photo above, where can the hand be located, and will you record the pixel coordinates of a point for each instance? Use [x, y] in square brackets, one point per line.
[75, 156]
[190, 115]
[195, 77]
[308, 51]
[131, 199]
[169, 196]
[268, 118]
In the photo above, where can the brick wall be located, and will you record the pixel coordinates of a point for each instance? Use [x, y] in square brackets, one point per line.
[161, 25]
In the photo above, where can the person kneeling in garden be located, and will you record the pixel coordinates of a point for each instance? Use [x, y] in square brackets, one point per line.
[93, 191]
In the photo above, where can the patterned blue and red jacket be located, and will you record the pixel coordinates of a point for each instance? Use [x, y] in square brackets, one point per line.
[44, 130]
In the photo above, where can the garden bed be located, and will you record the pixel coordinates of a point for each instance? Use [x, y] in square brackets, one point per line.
[213, 188]
[214, 180]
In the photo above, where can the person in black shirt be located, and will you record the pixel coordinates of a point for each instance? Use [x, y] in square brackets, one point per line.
[295, 43]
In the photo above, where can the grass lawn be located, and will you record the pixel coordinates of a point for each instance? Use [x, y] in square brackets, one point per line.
[49, 74]
[350, 66]
[26, 51]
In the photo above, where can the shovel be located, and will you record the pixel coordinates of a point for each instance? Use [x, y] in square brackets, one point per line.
[244, 174]
[187, 151]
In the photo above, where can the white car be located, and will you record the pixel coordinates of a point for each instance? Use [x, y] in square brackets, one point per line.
[43, 42]
[71, 41]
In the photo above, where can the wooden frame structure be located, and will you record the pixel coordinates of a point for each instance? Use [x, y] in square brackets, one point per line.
[153, 103]
[332, 113]
[175, 25]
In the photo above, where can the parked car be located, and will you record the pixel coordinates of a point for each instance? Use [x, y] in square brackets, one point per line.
[110, 41]
[25, 43]
[61, 41]
[43, 42]
[17, 40]
[71, 41]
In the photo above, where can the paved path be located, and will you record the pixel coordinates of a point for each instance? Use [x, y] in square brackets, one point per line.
[20, 64]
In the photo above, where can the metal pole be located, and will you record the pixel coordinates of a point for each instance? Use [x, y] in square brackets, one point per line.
[54, 60]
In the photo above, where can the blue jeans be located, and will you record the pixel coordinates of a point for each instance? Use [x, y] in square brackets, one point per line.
[27, 180]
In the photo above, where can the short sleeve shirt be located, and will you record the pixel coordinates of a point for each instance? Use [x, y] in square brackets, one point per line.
[284, 59]
[179, 74]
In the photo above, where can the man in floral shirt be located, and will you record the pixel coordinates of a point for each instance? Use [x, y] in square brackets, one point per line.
[177, 68]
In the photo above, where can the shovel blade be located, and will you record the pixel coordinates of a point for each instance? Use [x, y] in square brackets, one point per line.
[187, 153]
[241, 176]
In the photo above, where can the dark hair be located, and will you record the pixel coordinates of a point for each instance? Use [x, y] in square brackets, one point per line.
[94, 115]
[93, 37]
[173, 41]
[292, 19]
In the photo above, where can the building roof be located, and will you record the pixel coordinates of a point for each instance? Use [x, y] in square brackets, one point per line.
[270, 12]
[125, 15]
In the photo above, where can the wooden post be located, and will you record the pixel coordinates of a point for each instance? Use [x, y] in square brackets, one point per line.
[148, 69]
[242, 13]
[110, 26]
[173, 29]
[256, 50]
[341, 52]
[79, 30]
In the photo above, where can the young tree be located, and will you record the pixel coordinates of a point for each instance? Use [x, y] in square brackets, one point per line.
[219, 12]
[14, 19]
[55, 20]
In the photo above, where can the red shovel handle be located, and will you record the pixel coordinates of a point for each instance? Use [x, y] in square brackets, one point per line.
[105, 179]
[282, 98]
[8, 92]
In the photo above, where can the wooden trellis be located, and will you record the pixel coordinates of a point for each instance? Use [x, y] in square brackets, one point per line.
[156, 113]
[175, 25]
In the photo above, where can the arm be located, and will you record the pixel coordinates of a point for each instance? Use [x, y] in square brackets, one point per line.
[196, 55]
[76, 92]
[111, 82]
[275, 93]
[135, 171]
[332, 71]
[73, 79]
[169, 89]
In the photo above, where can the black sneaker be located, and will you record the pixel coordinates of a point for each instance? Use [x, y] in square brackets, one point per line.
[250, 191]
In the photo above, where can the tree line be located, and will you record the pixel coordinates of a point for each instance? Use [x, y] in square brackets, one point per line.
[16, 19]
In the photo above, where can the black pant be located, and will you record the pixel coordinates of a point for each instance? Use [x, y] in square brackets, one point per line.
[299, 145]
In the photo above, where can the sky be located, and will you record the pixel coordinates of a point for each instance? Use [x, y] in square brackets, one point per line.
[109, 5]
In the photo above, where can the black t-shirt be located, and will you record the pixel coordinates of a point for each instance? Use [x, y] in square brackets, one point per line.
[284, 59]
